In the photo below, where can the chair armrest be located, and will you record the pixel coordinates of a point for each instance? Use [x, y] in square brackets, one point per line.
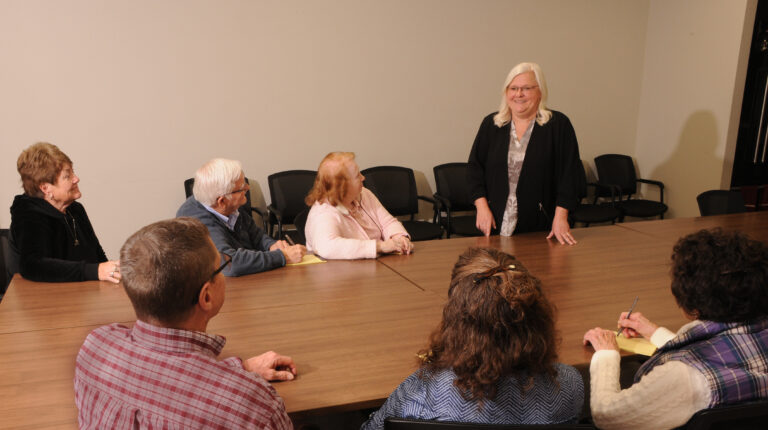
[657, 183]
[258, 211]
[277, 214]
[427, 199]
[442, 202]
[263, 216]
[273, 211]
[652, 182]
[435, 207]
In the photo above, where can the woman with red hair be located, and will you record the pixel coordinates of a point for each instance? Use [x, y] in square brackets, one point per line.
[346, 221]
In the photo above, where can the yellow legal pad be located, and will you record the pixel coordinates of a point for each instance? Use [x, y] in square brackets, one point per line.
[308, 259]
[636, 345]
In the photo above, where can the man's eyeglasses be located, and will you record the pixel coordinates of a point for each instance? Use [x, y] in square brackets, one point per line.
[228, 260]
[245, 188]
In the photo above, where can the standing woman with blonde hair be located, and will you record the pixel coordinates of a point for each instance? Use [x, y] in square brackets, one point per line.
[523, 165]
[51, 236]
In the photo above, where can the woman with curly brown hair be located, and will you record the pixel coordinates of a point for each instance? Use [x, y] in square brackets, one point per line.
[493, 357]
[721, 357]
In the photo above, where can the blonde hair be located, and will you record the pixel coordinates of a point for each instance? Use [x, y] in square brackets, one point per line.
[543, 115]
[39, 164]
[216, 178]
[331, 180]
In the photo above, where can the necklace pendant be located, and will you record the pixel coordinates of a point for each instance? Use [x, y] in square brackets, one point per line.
[77, 242]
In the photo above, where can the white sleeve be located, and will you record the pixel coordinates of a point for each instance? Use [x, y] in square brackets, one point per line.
[664, 398]
[661, 336]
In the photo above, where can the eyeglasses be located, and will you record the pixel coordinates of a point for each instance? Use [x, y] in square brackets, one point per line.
[525, 90]
[245, 188]
[228, 259]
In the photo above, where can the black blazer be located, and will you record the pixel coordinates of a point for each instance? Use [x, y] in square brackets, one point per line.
[548, 177]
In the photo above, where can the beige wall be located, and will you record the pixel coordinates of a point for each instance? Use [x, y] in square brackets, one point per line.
[693, 79]
[140, 93]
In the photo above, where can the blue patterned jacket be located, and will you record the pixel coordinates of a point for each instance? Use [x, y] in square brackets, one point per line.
[434, 397]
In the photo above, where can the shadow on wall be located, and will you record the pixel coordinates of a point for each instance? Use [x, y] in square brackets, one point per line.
[693, 167]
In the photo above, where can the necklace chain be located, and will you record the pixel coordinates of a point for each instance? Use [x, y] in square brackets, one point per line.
[73, 231]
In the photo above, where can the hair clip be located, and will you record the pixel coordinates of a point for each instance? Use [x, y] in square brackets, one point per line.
[425, 357]
[487, 274]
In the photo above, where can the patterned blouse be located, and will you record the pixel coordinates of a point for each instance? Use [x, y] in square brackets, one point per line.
[434, 397]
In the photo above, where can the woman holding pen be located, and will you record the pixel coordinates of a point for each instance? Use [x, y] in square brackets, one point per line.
[721, 357]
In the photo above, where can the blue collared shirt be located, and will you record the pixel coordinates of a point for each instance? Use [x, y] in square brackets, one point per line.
[229, 221]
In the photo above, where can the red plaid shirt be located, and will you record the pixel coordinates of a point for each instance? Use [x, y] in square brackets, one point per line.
[151, 377]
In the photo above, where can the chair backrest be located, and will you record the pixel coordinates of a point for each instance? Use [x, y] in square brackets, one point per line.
[744, 416]
[451, 183]
[414, 424]
[395, 188]
[619, 170]
[190, 183]
[288, 189]
[755, 197]
[718, 202]
[5, 260]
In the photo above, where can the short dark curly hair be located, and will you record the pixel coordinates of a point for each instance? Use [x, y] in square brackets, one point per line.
[497, 323]
[719, 276]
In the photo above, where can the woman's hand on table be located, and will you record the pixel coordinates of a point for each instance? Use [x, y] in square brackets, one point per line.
[484, 220]
[601, 339]
[110, 271]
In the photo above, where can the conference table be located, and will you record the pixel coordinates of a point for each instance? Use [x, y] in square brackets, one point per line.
[352, 327]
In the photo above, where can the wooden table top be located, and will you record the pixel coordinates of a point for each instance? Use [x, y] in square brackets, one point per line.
[353, 327]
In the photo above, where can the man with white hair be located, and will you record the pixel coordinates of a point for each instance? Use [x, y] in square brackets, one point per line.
[218, 194]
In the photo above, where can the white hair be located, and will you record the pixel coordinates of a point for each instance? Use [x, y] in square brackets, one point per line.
[216, 178]
[543, 115]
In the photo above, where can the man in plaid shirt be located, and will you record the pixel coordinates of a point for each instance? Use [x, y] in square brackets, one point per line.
[164, 371]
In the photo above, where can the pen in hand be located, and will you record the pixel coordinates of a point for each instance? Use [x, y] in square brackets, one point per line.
[290, 242]
[628, 314]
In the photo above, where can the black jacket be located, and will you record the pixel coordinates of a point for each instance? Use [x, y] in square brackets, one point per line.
[42, 239]
[548, 177]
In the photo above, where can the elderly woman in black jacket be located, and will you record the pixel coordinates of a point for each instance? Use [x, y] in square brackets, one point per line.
[51, 235]
[524, 162]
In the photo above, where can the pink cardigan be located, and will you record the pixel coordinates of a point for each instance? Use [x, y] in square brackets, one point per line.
[333, 233]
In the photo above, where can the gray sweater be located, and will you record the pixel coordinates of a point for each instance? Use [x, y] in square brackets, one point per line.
[247, 244]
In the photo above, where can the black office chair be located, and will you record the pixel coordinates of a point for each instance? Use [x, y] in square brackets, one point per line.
[453, 196]
[619, 170]
[755, 197]
[190, 183]
[300, 221]
[395, 187]
[588, 213]
[287, 190]
[743, 416]
[414, 424]
[720, 202]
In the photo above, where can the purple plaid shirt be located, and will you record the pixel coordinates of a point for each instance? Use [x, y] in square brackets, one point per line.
[151, 377]
[732, 356]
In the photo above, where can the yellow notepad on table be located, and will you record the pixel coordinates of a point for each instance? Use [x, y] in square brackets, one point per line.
[308, 259]
[636, 345]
